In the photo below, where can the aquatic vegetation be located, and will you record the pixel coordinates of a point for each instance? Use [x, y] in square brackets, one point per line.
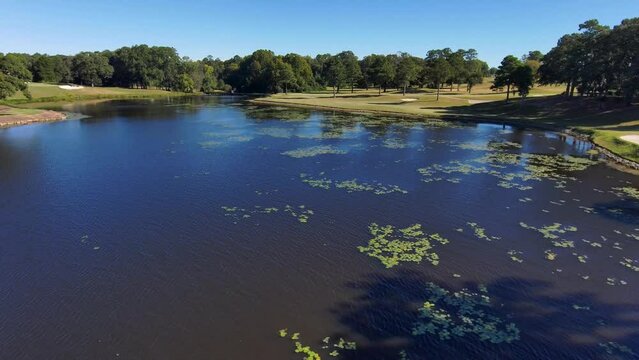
[537, 167]
[301, 214]
[352, 185]
[627, 191]
[392, 246]
[550, 255]
[553, 233]
[588, 210]
[581, 258]
[313, 151]
[613, 281]
[490, 146]
[612, 348]
[283, 133]
[223, 138]
[394, 143]
[376, 188]
[310, 354]
[403, 355]
[480, 232]
[446, 315]
[630, 263]
[322, 183]
[515, 256]
[563, 243]
[210, 144]
[550, 231]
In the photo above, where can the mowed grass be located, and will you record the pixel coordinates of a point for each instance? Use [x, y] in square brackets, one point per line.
[604, 121]
[11, 111]
[53, 93]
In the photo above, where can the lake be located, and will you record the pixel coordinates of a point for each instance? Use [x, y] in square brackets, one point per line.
[209, 228]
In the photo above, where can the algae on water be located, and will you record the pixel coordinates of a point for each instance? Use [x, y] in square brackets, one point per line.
[457, 314]
[392, 246]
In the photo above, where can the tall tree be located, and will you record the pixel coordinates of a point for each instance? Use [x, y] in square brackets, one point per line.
[523, 79]
[438, 71]
[380, 71]
[407, 70]
[504, 77]
[335, 73]
[283, 75]
[475, 71]
[91, 68]
[10, 80]
[352, 70]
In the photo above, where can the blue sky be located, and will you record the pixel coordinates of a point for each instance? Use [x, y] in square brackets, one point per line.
[197, 28]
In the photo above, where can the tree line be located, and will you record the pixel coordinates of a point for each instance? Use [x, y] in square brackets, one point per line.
[596, 61]
[263, 71]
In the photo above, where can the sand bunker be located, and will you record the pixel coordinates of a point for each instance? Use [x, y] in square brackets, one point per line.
[71, 87]
[631, 138]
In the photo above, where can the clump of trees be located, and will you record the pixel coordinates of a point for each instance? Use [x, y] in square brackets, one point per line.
[14, 74]
[513, 74]
[596, 61]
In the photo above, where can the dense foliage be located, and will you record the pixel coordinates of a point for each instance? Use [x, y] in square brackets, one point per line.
[596, 61]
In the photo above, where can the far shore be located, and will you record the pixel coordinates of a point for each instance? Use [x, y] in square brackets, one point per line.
[607, 125]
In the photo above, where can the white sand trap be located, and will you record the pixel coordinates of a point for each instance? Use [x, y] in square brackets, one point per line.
[477, 101]
[409, 99]
[631, 138]
[71, 87]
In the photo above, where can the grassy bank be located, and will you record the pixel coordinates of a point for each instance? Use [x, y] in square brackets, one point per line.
[47, 93]
[19, 110]
[603, 121]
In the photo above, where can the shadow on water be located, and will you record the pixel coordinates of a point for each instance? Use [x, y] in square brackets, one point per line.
[623, 211]
[550, 326]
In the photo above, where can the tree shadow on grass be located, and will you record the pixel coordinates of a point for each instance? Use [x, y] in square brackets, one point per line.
[551, 327]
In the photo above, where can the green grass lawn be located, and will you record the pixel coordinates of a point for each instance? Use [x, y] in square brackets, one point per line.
[53, 93]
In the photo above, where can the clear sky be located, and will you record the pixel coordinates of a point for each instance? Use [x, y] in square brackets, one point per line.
[197, 28]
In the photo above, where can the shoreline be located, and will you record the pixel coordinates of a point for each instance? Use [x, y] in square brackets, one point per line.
[609, 156]
[43, 116]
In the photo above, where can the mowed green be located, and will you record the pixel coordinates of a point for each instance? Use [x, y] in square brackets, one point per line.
[52, 93]
[604, 121]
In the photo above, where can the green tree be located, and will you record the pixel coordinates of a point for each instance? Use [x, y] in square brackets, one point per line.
[185, 83]
[209, 82]
[523, 79]
[17, 66]
[407, 71]
[380, 71]
[504, 77]
[352, 70]
[91, 68]
[438, 71]
[475, 72]
[335, 73]
[303, 72]
[283, 75]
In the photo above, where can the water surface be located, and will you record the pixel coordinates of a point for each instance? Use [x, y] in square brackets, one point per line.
[198, 228]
